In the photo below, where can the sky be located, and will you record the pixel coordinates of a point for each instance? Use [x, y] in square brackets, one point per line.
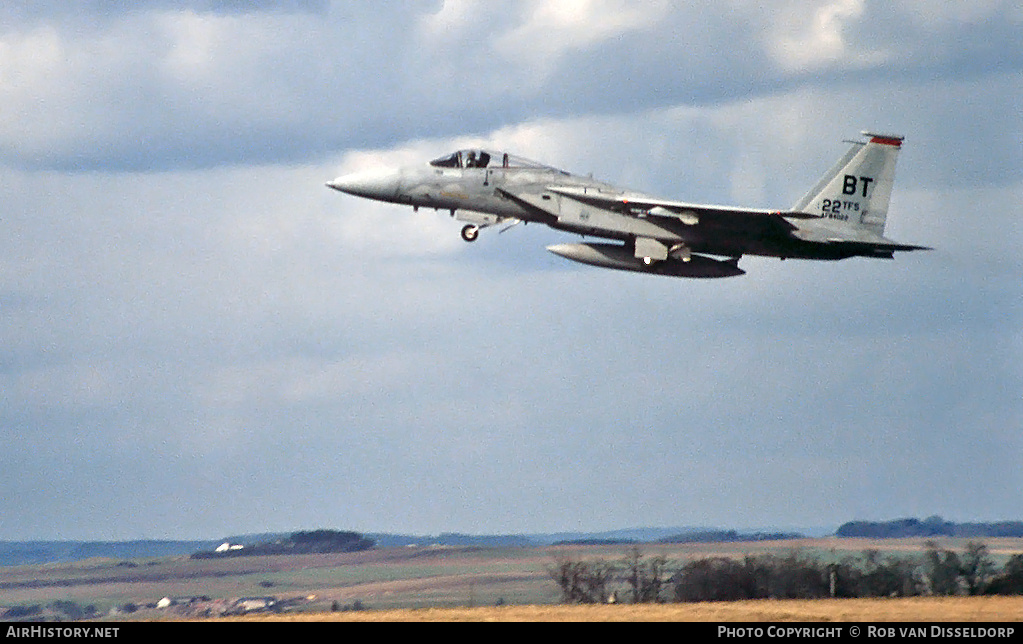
[199, 339]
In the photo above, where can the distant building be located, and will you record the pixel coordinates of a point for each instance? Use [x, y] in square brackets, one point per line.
[226, 546]
[253, 604]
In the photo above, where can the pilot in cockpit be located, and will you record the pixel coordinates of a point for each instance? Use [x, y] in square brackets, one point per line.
[465, 159]
[473, 161]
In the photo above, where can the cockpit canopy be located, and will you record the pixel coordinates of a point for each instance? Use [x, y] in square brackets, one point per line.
[485, 159]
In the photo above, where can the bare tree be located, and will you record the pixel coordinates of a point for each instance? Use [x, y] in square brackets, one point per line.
[582, 582]
[977, 567]
[646, 578]
[942, 568]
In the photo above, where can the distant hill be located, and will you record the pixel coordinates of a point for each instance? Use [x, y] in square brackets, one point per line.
[534, 540]
[19, 553]
[14, 553]
[933, 526]
[454, 539]
[729, 536]
[626, 536]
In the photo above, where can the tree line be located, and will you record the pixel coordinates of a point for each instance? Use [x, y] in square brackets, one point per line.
[306, 542]
[933, 526]
[637, 578]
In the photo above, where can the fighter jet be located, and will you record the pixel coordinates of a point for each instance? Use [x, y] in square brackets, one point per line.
[842, 216]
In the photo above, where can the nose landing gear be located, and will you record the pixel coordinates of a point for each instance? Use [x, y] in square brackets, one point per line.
[470, 233]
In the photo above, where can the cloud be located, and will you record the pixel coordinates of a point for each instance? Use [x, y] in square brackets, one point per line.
[552, 28]
[820, 41]
[155, 88]
[169, 89]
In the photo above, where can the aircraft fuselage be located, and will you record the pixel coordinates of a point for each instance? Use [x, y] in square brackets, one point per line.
[842, 216]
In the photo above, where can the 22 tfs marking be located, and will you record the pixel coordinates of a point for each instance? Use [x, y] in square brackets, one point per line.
[840, 208]
[833, 209]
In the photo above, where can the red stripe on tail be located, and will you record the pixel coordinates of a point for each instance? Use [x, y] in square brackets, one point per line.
[884, 140]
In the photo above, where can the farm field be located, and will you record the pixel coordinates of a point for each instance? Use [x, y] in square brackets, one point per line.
[511, 582]
[918, 609]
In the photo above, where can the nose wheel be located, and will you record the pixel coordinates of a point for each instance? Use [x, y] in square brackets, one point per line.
[470, 233]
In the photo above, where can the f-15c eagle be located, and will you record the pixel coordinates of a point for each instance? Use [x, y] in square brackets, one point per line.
[842, 216]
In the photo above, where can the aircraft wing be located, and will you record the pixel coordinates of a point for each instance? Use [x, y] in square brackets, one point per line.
[749, 220]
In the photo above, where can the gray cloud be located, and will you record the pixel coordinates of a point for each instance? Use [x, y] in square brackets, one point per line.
[152, 88]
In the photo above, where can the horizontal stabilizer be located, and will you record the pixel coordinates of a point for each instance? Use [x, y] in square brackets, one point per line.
[854, 238]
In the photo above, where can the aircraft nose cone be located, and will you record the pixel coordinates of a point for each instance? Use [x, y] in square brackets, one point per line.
[371, 184]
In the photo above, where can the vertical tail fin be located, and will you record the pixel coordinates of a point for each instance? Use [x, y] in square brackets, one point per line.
[857, 189]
